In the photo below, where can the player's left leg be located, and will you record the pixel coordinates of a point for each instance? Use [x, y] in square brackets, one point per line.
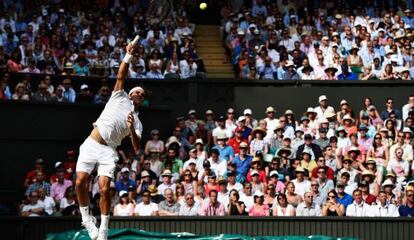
[105, 205]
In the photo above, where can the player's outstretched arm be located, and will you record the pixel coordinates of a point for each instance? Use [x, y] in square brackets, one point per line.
[123, 69]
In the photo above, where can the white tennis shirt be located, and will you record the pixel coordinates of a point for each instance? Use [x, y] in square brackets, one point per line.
[112, 123]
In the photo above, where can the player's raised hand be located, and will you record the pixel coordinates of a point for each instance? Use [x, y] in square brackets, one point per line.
[130, 121]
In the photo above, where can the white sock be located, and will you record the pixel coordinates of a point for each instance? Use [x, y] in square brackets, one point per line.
[104, 222]
[84, 212]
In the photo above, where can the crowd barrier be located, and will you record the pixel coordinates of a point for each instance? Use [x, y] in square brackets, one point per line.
[360, 228]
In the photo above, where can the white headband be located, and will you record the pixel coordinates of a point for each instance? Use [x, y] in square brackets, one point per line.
[135, 89]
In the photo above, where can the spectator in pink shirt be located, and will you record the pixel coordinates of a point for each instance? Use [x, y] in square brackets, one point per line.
[259, 208]
[214, 207]
[58, 188]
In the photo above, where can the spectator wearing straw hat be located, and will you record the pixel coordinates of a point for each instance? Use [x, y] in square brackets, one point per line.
[226, 151]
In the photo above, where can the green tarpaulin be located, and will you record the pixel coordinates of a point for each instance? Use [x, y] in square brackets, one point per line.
[129, 234]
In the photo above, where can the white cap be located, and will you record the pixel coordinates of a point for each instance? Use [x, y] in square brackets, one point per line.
[407, 130]
[57, 164]
[273, 173]
[343, 101]
[192, 161]
[84, 86]
[270, 109]
[253, 172]
[124, 170]
[258, 193]
[322, 97]
[310, 109]
[247, 111]
[122, 192]
[199, 141]
[387, 183]
[241, 118]
[323, 120]
[192, 111]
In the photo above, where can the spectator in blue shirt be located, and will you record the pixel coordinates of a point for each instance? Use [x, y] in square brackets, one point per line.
[124, 181]
[69, 94]
[226, 152]
[407, 210]
[242, 162]
[346, 74]
[343, 197]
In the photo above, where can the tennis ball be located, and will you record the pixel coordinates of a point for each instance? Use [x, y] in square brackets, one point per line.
[203, 6]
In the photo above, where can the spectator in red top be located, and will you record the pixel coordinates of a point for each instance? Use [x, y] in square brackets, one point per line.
[322, 164]
[256, 166]
[235, 141]
[31, 176]
[363, 186]
[58, 168]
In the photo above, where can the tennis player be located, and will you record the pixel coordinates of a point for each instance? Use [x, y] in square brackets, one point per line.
[118, 120]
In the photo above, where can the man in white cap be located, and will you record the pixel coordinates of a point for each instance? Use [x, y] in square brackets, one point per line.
[118, 120]
[271, 120]
[323, 106]
[250, 121]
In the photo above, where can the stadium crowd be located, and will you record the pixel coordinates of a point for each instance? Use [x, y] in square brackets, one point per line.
[88, 38]
[319, 39]
[323, 162]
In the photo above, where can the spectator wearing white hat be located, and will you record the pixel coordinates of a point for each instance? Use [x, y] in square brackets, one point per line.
[271, 120]
[166, 182]
[246, 131]
[250, 121]
[191, 121]
[124, 208]
[323, 107]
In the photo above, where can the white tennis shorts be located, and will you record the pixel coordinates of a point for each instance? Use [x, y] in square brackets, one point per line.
[93, 154]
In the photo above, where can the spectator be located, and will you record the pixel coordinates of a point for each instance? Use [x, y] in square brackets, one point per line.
[34, 207]
[103, 96]
[235, 206]
[259, 208]
[169, 207]
[384, 209]
[308, 207]
[58, 188]
[407, 210]
[31, 176]
[190, 207]
[124, 181]
[42, 95]
[302, 185]
[48, 202]
[358, 208]
[213, 207]
[85, 95]
[331, 206]
[342, 197]
[69, 93]
[124, 208]
[38, 183]
[68, 204]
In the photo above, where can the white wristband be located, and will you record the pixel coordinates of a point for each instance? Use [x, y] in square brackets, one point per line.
[127, 58]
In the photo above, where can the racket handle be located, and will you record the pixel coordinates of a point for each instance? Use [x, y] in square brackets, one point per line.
[135, 41]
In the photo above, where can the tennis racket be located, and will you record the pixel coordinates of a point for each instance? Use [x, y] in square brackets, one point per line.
[156, 11]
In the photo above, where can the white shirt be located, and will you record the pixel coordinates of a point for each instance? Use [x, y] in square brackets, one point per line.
[389, 210]
[271, 125]
[186, 210]
[142, 209]
[112, 123]
[279, 211]
[398, 167]
[31, 207]
[359, 210]
[247, 200]
[49, 204]
[124, 211]
[407, 151]
[301, 187]
[219, 167]
[64, 203]
[161, 188]
[226, 131]
[224, 199]
[303, 210]
[319, 112]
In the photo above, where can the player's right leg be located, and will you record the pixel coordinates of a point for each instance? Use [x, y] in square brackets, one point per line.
[85, 165]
